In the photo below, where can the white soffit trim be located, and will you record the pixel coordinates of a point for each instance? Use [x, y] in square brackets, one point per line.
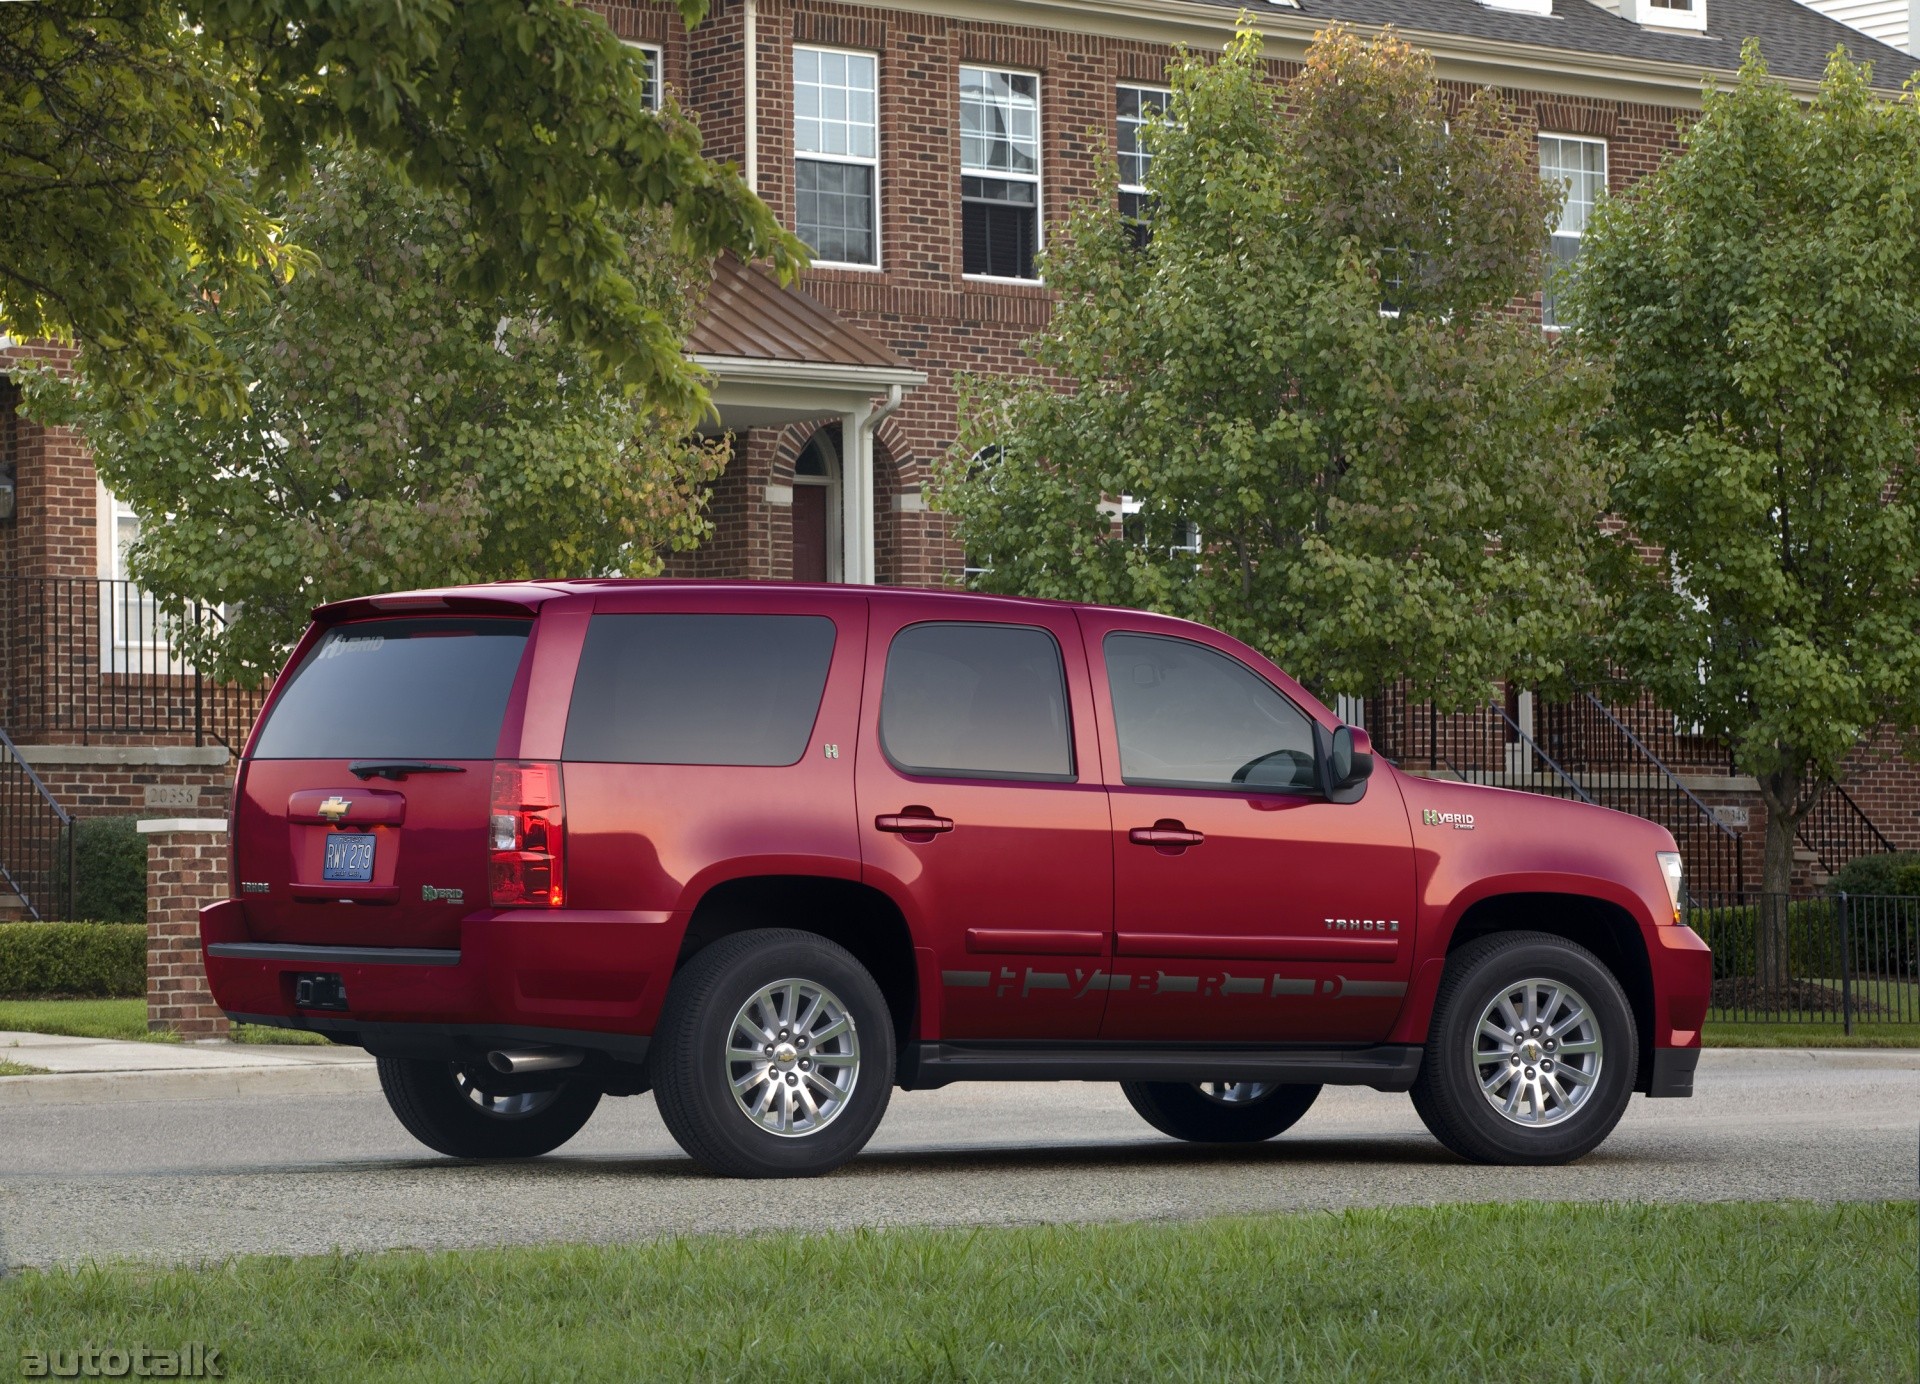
[1483, 62]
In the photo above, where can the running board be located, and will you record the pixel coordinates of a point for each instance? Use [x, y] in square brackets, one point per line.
[1385, 1067]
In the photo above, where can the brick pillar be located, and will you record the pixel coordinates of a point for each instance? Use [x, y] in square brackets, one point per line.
[186, 869]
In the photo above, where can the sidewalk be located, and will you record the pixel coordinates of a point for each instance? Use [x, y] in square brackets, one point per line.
[86, 1071]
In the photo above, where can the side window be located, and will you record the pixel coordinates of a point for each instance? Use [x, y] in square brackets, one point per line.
[1191, 717]
[976, 701]
[698, 689]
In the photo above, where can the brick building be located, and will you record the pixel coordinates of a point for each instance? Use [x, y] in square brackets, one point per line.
[926, 150]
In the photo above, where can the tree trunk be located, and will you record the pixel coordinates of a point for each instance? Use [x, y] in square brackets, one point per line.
[1780, 791]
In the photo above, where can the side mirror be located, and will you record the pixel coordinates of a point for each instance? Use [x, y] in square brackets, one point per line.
[1346, 762]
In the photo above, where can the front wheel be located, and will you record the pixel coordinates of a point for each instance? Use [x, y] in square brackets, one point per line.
[774, 1056]
[1531, 1055]
[1219, 1112]
[447, 1107]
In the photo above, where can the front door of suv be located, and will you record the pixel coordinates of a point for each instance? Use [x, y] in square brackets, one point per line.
[1249, 908]
[982, 811]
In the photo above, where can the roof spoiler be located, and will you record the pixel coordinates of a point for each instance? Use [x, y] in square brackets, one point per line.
[506, 598]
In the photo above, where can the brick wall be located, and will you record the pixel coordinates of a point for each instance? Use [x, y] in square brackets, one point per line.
[186, 869]
[53, 529]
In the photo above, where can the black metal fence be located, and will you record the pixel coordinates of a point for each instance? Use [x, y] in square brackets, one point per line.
[37, 874]
[86, 660]
[1831, 958]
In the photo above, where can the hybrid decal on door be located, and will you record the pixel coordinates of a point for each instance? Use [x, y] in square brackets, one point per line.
[1459, 821]
[1215, 985]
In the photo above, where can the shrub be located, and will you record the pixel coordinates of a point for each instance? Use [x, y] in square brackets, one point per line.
[1887, 872]
[103, 960]
[110, 860]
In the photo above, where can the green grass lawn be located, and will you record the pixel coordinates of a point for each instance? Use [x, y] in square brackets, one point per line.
[1723, 1034]
[119, 1019]
[1525, 1291]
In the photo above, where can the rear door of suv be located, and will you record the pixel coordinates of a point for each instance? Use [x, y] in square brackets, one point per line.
[981, 805]
[361, 809]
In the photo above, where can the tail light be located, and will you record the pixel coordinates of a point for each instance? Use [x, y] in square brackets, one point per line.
[527, 836]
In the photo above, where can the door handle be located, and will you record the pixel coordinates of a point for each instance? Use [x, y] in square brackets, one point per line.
[914, 821]
[1166, 833]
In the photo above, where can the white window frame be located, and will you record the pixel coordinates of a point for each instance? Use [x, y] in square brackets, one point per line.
[1120, 122]
[1037, 178]
[860, 162]
[1667, 14]
[120, 650]
[654, 57]
[1606, 163]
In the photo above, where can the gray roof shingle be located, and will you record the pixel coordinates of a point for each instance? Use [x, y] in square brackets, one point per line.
[1794, 38]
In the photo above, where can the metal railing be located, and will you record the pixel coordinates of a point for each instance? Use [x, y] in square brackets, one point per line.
[86, 660]
[37, 874]
[1838, 830]
[1831, 958]
[1578, 748]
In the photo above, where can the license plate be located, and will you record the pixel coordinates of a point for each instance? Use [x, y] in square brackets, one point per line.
[349, 858]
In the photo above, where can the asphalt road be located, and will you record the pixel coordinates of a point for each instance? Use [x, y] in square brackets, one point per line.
[194, 1179]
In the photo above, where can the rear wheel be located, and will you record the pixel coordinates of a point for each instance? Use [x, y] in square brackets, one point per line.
[1532, 1052]
[1219, 1112]
[774, 1056]
[447, 1106]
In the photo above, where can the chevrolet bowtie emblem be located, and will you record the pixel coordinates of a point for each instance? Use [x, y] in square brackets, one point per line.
[334, 808]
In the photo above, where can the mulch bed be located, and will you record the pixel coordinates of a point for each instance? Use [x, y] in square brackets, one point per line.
[1747, 992]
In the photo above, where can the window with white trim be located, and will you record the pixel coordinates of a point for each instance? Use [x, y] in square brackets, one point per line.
[999, 172]
[1580, 165]
[1134, 107]
[836, 146]
[650, 84]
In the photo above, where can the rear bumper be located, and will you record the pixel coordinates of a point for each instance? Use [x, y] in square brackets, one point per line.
[455, 1042]
[585, 974]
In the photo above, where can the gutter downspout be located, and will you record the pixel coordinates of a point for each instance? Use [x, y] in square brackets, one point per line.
[869, 429]
[752, 44]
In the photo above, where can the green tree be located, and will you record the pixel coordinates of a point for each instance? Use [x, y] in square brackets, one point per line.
[402, 430]
[1308, 366]
[141, 144]
[1759, 298]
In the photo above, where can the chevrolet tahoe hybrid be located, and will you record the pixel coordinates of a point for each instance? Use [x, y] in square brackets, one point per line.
[770, 851]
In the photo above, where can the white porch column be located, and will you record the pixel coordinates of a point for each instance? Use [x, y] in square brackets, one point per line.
[856, 496]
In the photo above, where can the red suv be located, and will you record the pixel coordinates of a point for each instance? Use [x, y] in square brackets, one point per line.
[770, 851]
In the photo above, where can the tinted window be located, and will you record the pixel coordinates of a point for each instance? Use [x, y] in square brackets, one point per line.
[1190, 716]
[422, 688]
[976, 701]
[699, 689]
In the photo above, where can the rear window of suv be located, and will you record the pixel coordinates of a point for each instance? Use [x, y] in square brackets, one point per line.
[417, 688]
[698, 689]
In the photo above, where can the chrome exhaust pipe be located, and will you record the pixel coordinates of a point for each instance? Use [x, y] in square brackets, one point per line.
[541, 1060]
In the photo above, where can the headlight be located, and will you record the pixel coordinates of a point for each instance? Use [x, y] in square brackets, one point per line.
[1675, 874]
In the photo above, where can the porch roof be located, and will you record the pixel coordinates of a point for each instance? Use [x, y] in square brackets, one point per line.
[779, 355]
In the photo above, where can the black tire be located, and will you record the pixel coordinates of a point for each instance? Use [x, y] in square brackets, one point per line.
[693, 1077]
[1448, 1093]
[432, 1100]
[1186, 1111]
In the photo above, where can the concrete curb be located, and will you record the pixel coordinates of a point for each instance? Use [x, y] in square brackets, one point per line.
[1905, 1059]
[102, 1088]
[342, 1077]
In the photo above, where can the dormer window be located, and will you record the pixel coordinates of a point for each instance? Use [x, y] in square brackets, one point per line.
[1667, 14]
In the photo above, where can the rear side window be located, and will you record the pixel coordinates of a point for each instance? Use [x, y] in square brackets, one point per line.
[699, 689]
[976, 701]
[1191, 717]
[416, 688]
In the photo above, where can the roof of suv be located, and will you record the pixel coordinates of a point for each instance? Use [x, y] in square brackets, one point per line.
[529, 596]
